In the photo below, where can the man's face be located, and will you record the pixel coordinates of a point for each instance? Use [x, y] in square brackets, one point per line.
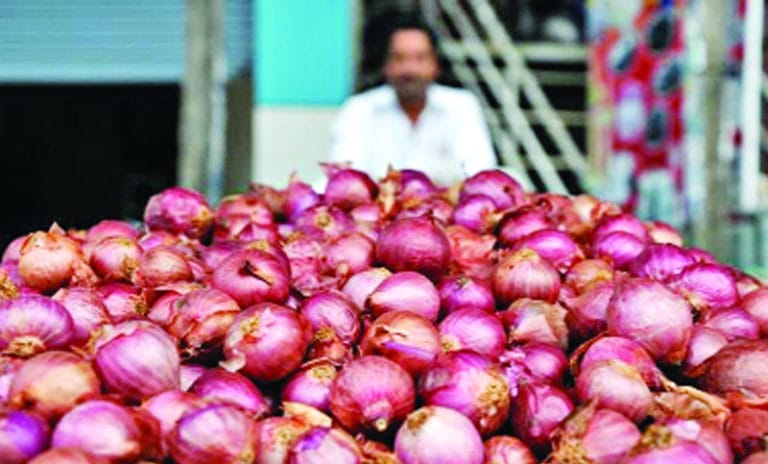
[411, 64]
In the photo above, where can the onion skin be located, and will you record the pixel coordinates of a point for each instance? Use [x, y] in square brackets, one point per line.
[525, 274]
[220, 386]
[188, 374]
[275, 436]
[161, 266]
[252, 276]
[661, 262]
[462, 291]
[67, 456]
[31, 324]
[533, 361]
[475, 212]
[707, 287]
[705, 342]
[123, 302]
[116, 258]
[414, 244]
[347, 188]
[437, 435]
[214, 433]
[621, 223]
[51, 260]
[661, 450]
[22, 436]
[359, 286]
[473, 329]
[708, 435]
[168, 407]
[408, 291]
[757, 458]
[267, 342]
[618, 248]
[180, 211]
[86, 309]
[348, 254]
[746, 430]
[586, 312]
[555, 246]
[333, 310]
[52, 383]
[520, 222]
[615, 385]
[503, 449]
[322, 444]
[620, 349]
[311, 385]
[201, 318]
[406, 338]
[756, 303]
[530, 320]
[740, 367]
[733, 324]
[505, 191]
[360, 405]
[537, 410]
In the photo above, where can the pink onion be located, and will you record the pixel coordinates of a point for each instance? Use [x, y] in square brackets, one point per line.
[739, 367]
[434, 434]
[505, 191]
[556, 247]
[348, 254]
[188, 374]
[51, 260]
[86, 309]
[746, 430]
[335, 311]
[476, 213]
[328, 346]
[167, 408]
[123, 302]
[621, 249]
[161, 266]
[31, 324]
[706, 286]
[275, 436]
[252, 276]
[405, 337]
[537, 410]
[661, 232]
[157, 238]
[250, 205]
[179, 210]
[347, 188]
[600, 436]
[216, 253]
[116, 258]
[525, 274]
[615, 385]
[756, 458]
[471, 254]
[707, 434]
[406, 291]
[473, 329]
[733, 323]
[239, 227]
[414, 244]
[661, 262]
[214, 433]
[413, 183]
[299, 197]
[22, 436]
[464, 291]
[311, 385]
[705, 342]
[67, 456]
[664, 331]
[108, 430]
[323, 221]
[588, 273]
[586, 312]
[322, 445]
[529, 320]
[533, 361]
[658, 445]
[111, 228]
[12, 252]
[136, 359]
[362, 284]
[52, 383]
[267, 342]
[359, 404]
[507, 449]
[620, 223]
[756, 304]
[471, 384]
[218, 385]
[600, 350]
[520, 222]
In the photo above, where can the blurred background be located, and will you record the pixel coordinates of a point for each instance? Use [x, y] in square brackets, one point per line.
[653, 104]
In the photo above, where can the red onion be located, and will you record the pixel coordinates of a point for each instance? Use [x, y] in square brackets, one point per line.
[179, 210]
[746, 430]
[311, 385]
[529, 320]
[599, 436]
[533, 361]
[659, 445]
[161, 266]
[250, 205]
[475, 212]
[252, 276]
[326, 345]
[123, 302]
[525, 274]
[661, 262]
[464, 291]
[157, 238]
[168, 407]
[733, 323]
[275, 436]
[414, 244]
[621, 249]
[586, 312]
[240, 228]
[322, 221]
[322, 445]
[505, 191]
[706, 286]
[67, 456]
[615, 385]
[136, 359]
[757, 458]
[348, 254]
[216, 253]
[473, 329]
[434, 434]
[214, 433]
[360, 285]
[413, 183]
[600, 350]
[405, 337]
[469, 383]
[739, 367]
[707, 434]
[471, 254]
[51, 260]
[111, 228]
[347, 188]
[664, 332]
[116, 258]
[86, 309]
[368, 218]
[31, 324]
[705, 342]
[537, 410]
[588, 273]
[188, 374]
[520, 222]
[335, 311]
[661, 232]
[299, 197]
[756, 304]
[620, 223]
[555, 246]
[507, 449]
[52, 383]
[359, 404]
[267, 341]
[218, 385]
[12, 252]
[108, 430]
[407, 291]
[22, 436]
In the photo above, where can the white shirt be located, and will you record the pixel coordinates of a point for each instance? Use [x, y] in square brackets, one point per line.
[449, 141]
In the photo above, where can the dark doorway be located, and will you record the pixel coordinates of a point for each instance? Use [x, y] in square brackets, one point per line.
[79, 154]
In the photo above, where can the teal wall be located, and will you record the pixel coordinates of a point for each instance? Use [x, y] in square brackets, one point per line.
[302, 52]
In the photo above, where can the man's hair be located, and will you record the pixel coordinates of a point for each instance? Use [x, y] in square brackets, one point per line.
[411, 21]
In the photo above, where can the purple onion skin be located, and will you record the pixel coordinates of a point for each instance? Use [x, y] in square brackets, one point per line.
[414, 244]
[502, 449]
[473, 329]
[537, 410]
[218, 385]
[324, 445]
[179, 210]
[22, 436]
[505, 191]
[683, 452]
[661, 262]
[408, 291]
[464, 291]
[311, 385]
[437, 435]
[30, 324]
[215, 433]
[67, 456]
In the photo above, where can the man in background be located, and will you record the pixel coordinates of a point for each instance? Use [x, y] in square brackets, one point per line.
[410, 121]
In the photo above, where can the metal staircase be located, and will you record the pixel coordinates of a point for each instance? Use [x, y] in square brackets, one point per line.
[534, 139]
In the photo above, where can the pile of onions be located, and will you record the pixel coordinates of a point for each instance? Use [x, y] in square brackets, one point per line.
[388, 321]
